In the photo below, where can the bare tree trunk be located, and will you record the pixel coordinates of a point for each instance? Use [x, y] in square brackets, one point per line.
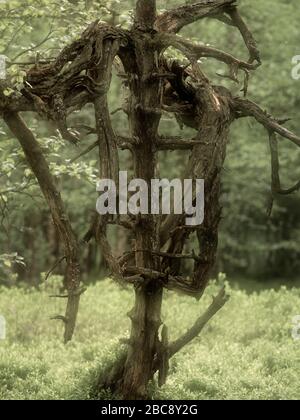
[145, 316]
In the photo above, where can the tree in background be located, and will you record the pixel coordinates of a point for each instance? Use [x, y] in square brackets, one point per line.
[156, 84]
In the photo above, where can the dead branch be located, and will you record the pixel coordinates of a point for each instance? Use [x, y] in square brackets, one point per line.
[218, 302]
[191, 256]
[57, 263]
[205, 163]
[14, 102]
[86, 151]
[195, 52]
[75, 293]
[108, 148]
[123, 143]
[40, 168]
[177, 143]
[276, 183]
[175, 19]
[57, 88]
[145, 272]
[60, 318]
[249, 40]
[247, 108]
[175, 283]
[137, 279]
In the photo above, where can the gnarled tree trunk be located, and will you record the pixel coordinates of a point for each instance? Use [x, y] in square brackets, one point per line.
[144, 121]
[81, 74]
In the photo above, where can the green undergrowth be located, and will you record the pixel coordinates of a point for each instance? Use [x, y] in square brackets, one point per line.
[246, 352]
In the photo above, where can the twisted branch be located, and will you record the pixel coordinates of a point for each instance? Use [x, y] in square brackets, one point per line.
[247, 108]
[195, 52]
[175, 19]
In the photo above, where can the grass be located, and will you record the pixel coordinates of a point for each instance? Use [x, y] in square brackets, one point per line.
[246, 352]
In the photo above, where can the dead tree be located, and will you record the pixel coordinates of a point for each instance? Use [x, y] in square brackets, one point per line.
[81, 74]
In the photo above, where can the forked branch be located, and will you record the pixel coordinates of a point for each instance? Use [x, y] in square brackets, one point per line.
[276, 183]
[247, 108]
[195, 52]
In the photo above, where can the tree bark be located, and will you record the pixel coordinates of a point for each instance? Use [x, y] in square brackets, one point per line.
[145, 316]
[156, 84]
[40, 168]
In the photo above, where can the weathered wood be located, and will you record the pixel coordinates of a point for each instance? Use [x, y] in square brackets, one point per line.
[145, 316]
[35, 158]
[175, 19]
[82, 74]
[218, 302]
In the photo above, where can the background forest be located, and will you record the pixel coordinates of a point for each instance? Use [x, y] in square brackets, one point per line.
[259, 253]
